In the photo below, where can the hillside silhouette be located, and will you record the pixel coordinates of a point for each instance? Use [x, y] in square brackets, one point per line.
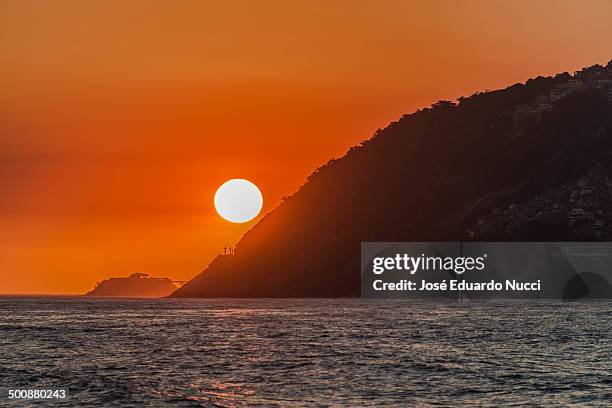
[135, 285]
[529, 162]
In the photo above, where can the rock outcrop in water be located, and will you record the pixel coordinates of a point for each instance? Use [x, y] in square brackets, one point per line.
[136, 285]
[529, 162]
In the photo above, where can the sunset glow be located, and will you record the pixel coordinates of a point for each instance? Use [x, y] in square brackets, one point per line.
[119, 120]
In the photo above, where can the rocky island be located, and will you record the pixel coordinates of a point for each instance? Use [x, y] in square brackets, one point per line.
[135, 285]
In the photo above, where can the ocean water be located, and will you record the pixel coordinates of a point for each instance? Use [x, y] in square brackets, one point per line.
[307, 352]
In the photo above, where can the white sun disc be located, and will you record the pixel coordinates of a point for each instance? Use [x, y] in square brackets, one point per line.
[238, 200]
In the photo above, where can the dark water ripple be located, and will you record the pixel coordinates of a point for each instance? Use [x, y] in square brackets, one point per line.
[307, 352]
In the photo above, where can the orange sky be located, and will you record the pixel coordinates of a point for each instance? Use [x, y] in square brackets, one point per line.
[118, 121]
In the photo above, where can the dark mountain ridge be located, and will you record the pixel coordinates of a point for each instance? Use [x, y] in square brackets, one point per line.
[444, 173]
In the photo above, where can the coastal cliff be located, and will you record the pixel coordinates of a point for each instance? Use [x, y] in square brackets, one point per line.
[529, 162]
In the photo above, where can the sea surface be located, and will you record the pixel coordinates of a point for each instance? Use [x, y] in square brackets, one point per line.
[313, 352]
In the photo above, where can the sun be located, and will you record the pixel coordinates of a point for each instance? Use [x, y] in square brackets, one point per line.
[238, 200]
